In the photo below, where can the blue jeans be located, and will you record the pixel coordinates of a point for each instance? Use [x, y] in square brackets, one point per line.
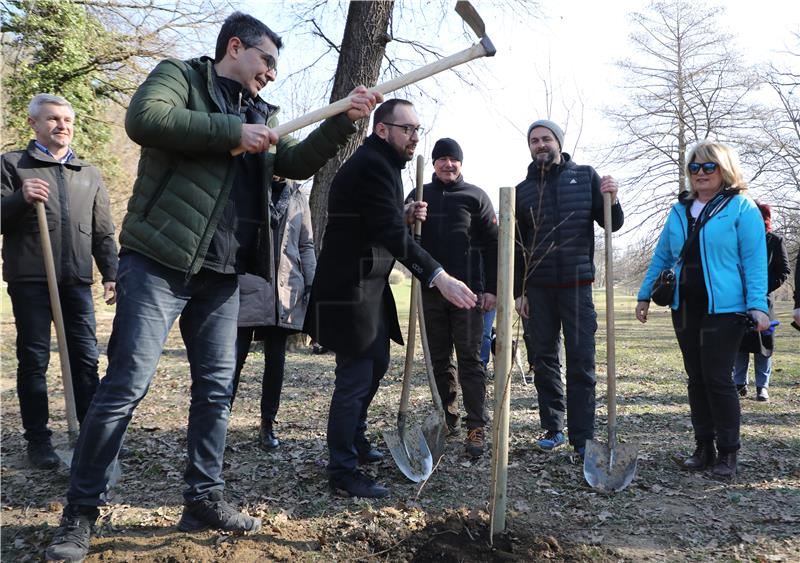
[32, 317]
[763, 367]
[552, 310]
[486, 344]
[149, 299]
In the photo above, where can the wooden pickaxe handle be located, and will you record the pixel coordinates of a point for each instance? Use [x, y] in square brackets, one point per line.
[476, 51]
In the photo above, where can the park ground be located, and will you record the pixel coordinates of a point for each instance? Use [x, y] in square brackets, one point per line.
[664, 515]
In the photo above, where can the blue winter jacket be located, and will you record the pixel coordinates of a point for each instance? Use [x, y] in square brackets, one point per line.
[733, 253]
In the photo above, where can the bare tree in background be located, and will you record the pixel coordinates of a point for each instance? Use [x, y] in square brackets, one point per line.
[776, 144]
[360, 57]
[686, 85]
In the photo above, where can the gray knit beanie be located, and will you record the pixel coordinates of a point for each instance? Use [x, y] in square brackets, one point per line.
[548, 125]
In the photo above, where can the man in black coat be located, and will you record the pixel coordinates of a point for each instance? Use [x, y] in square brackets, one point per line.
[461, 233]
[351, 310]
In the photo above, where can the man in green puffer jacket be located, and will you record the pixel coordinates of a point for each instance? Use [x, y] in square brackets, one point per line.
[196, 219]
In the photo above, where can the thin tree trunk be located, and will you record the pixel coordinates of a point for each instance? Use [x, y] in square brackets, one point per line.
[363, 47]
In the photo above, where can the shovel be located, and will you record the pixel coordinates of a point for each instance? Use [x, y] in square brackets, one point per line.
[611, 466]
[63, 353]
[435, 426]
[407, 445]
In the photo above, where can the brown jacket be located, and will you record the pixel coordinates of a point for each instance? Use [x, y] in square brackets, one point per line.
[283, 301]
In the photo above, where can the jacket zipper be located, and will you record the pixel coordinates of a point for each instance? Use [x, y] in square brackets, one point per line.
[161, 187]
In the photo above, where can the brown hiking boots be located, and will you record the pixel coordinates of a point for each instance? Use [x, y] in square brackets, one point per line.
[475, 443]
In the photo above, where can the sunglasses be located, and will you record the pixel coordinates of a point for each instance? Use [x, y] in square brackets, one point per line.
[707, 167]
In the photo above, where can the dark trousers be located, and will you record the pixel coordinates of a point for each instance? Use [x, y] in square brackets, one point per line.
[150, 297]
[552, 310]
[449, 327]
[274, 362]
[357, 381]
[709, 344]
[32, 317]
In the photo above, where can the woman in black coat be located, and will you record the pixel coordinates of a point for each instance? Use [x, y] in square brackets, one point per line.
[777, 273]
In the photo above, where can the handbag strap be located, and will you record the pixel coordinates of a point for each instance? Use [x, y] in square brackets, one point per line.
[713, 207]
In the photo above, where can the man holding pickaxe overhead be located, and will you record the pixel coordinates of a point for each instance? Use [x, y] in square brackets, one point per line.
[196, 219]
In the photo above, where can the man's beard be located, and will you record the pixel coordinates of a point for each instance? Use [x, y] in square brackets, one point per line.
[545, 159]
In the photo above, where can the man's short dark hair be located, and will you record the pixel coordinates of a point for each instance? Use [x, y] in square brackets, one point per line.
[248, 29]
[386, 110]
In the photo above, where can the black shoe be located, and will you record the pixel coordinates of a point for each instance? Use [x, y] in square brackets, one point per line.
[42, 455]
[266, 437]
[367, 453]
[725, 468]
[71, 540]
[214, 512]
[742, 389]
[453, 425]
[762, 394]
[317, 349]
[358, 485]
[704, 456]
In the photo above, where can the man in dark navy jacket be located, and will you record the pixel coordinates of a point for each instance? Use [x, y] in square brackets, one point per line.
[351, 310]
[461, 233]
[557, 206]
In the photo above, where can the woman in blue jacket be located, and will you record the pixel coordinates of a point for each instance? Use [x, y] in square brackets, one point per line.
[722, 279]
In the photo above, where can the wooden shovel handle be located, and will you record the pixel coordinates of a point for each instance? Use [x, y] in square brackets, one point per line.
[412, 317]
[58, 320]
[611, 392]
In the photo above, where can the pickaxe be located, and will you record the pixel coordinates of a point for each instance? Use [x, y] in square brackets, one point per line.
[484, 48]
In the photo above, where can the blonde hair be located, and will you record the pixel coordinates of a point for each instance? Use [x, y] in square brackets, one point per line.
[725, 158]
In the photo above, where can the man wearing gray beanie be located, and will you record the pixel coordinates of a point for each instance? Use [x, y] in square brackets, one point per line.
[556, 207]
[461, 234]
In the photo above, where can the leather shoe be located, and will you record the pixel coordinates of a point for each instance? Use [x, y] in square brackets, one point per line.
[704, 456]
[42, 455]
[367, 453]
[266, 437]
[725, 467]
[357, 484]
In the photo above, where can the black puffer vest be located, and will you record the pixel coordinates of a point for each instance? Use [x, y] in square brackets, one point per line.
[554, 214]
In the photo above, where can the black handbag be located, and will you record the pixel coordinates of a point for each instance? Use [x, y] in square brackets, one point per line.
[663, 290]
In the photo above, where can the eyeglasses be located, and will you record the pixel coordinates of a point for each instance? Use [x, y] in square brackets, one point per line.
[707, 167]
[268, 59]
[407, 129]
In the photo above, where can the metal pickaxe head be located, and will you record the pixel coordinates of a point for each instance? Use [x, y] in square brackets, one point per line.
[471, 17]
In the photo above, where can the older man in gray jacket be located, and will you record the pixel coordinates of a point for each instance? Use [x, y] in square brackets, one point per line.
[79, 221]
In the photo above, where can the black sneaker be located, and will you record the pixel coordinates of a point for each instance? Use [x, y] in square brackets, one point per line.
[357, 485]
[71, 540]
[42, 455]
[214, 512]
[742, 390]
